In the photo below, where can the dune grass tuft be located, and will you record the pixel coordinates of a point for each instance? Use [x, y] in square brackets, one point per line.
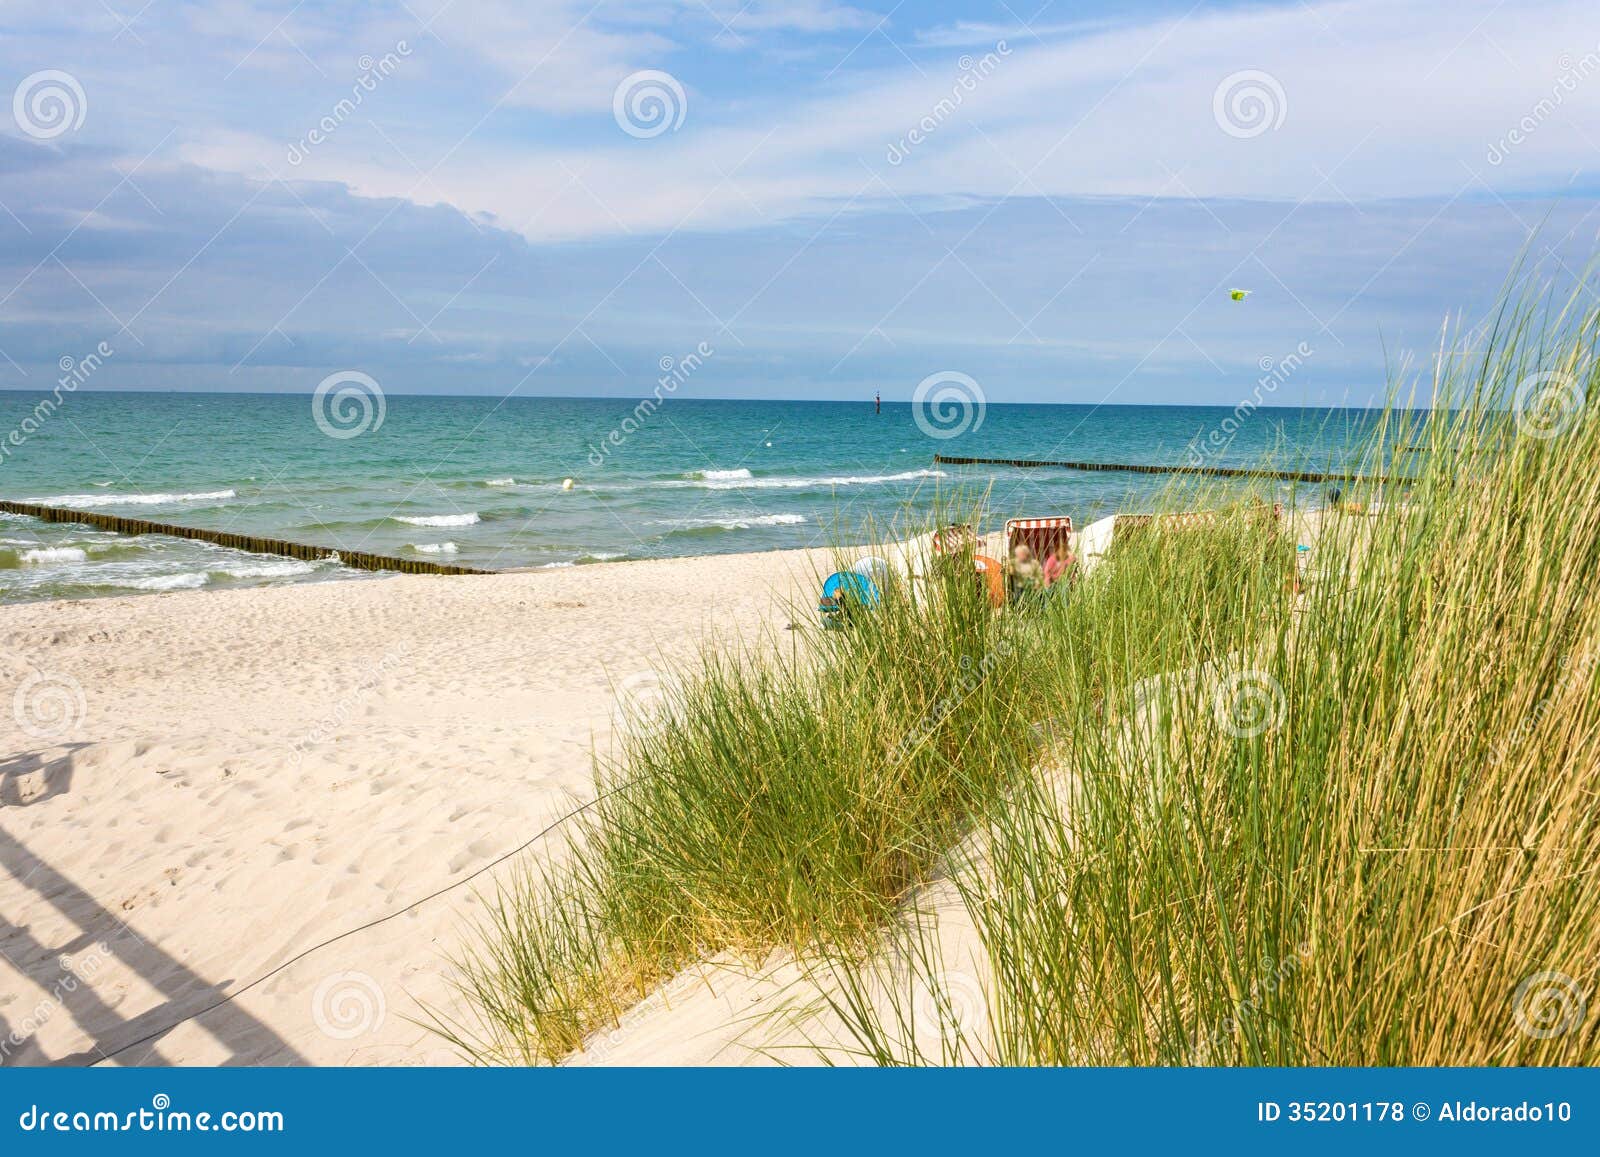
[1226, 803]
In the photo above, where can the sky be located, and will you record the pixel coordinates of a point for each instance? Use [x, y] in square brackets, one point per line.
[551, 197]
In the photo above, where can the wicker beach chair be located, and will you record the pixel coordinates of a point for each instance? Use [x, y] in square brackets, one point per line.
[956, 539]
[1038, 534]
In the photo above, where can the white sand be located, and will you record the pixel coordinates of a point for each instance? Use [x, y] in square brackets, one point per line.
[256, 771]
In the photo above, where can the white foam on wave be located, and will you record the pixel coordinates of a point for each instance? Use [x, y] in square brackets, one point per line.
[499, 481]
[808, 483]
[435, 547]
[734, 522]
[46, 555]
[717, 475]
[134, 499]
[186, 581]
[286, 568]
[440, 519]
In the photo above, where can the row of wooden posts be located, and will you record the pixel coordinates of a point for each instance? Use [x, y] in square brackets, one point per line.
[1145, 468]
[362, 560]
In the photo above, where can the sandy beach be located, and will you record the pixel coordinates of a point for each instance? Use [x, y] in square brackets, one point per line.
[250, 773]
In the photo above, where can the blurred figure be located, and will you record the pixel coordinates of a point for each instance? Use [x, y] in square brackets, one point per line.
[1058, 563]
[1027, 576]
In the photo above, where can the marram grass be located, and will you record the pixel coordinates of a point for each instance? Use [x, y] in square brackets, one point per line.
[1218, 806]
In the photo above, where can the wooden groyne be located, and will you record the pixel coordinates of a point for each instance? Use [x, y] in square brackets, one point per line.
[1145, 468]
[356, 558]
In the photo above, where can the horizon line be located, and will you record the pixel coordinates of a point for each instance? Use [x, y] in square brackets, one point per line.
[866, 400]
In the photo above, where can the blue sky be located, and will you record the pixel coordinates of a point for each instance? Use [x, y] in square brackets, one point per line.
[451, 195]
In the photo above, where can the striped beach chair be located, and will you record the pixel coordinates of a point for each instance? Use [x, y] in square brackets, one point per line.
[1038, 534]
[956, 539]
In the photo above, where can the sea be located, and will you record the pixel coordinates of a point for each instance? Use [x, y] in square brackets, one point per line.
[499, 483]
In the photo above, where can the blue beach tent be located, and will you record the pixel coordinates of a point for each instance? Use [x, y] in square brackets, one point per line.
[840, 587]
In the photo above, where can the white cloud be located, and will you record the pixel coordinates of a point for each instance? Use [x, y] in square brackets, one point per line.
[1379, 100]
[508, 112]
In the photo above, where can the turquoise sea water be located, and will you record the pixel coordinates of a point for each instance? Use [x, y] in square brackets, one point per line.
[478, 481]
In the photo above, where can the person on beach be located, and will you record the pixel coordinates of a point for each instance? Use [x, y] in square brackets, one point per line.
[1027, 576]
[1057, 563]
